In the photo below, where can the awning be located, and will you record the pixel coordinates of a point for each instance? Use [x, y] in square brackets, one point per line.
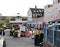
[18, 21]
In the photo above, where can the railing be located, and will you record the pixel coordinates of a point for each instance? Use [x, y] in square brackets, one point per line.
[52, 34]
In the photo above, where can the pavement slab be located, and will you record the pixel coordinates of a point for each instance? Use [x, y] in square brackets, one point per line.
[19, 42]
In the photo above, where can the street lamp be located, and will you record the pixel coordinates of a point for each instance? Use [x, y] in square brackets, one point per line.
[36, 15]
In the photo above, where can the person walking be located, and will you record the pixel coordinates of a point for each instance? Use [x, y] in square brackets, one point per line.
[3, 31]
[36, 32]
[12, 31]
[27, 33]
[0, 31]
[36, 35]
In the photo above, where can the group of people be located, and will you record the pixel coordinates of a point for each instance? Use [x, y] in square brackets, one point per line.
[15, 32]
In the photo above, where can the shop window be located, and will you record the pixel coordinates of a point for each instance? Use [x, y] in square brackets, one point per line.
[12, 19]
[58, 21]
[39, 10]
[33, 16]
[39, 16]
[24, 19]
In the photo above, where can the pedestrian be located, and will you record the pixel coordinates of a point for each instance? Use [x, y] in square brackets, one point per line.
[3, 31]
[32, 33]
[0, 31]
[27, 33]
[12, 31]
[36, 31]
[36, 35]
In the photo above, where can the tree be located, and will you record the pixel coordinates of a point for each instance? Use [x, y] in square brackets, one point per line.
[2, 22]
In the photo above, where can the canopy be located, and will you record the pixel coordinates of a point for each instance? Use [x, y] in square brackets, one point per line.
[18, 21]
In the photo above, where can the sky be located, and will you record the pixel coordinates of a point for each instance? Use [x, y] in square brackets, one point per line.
[12, 7]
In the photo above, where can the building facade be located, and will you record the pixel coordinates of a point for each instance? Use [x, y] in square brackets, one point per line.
[18, 20]
[35, 16]
[52, 13]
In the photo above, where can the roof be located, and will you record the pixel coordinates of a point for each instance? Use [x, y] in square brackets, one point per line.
[37, 11]
[2, 18]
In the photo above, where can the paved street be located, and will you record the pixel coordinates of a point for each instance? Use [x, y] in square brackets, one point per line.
[18, 42]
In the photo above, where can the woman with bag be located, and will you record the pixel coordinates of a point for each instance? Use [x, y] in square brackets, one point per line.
[27, 33]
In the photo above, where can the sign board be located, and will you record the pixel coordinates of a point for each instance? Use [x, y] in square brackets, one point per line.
[18, 19]
[22, 28]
